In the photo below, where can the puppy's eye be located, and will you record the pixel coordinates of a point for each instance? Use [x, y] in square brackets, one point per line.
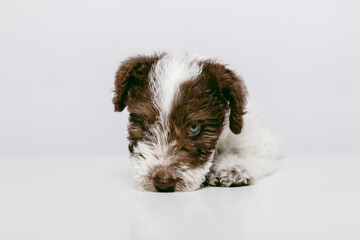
[193, 130]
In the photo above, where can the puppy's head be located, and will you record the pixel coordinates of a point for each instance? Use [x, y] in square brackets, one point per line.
[177, 104]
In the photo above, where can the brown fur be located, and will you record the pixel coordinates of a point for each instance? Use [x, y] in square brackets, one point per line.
[233, 90]
[132, 90]
[132, 74]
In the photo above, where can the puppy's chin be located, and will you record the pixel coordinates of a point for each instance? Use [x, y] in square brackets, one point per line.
[187, 179]
[145, 183]
[178, 188]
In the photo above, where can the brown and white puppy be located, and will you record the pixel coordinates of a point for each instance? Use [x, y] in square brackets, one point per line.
[181, 109]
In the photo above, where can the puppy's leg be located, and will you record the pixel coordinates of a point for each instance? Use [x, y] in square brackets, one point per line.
[236, 170]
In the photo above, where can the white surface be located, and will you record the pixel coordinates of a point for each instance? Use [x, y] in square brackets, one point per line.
[300, 60]
[313, 197]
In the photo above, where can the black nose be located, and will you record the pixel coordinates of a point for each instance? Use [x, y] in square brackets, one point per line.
[164, 184]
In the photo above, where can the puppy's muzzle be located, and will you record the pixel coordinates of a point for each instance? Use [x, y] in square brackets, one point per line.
[164, 180]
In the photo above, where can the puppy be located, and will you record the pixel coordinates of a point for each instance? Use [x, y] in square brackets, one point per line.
[191, 122]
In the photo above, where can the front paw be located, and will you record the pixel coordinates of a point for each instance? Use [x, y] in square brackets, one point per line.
[228, 176]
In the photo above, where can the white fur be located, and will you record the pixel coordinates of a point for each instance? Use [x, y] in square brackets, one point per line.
[257, 149]
[193, 178]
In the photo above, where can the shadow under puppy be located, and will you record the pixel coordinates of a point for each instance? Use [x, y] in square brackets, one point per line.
[191, 121]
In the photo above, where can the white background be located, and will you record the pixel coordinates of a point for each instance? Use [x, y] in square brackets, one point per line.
[300, 61]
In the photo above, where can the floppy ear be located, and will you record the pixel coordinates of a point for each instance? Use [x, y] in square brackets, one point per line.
[233, 90]
[131, 71]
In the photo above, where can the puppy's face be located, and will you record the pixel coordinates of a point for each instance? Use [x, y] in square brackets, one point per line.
[177, 105]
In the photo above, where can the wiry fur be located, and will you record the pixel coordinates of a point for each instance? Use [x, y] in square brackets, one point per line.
[166, 76]
[165, 95]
